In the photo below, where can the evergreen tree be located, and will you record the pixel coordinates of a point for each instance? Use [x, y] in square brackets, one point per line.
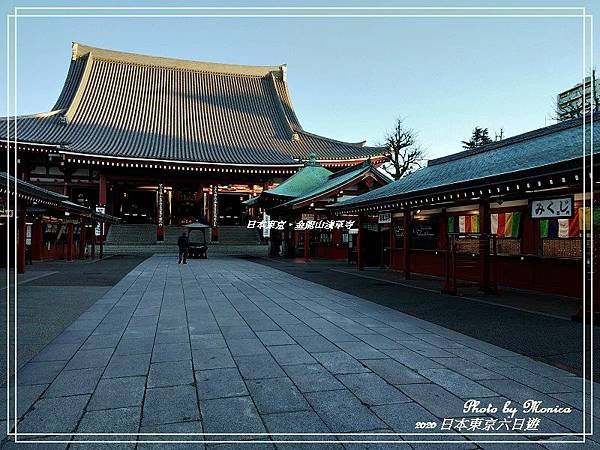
[479, 137]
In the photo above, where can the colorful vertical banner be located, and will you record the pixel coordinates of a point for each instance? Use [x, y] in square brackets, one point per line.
[463, 224]
[566, 228]
[506, 225]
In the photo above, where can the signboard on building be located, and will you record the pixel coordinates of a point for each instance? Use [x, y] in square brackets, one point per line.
[385, 217]
[399, 230]
[160, 198]
[215, 206]
[308, 216]
[98, 230]
[561, 207]
[266, 231]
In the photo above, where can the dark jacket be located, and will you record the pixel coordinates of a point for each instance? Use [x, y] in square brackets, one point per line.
[183, 242]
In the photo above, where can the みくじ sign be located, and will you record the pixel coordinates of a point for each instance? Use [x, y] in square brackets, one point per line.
[551, 207]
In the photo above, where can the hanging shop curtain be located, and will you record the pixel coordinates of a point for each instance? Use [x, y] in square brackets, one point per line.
[506, 225]
[463, 224]
[565, 228]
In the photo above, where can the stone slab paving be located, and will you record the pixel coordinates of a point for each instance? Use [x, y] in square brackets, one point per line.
[230, 346]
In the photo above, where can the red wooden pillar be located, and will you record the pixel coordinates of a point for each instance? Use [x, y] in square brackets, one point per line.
[37, 240]
[406, 243]
[82, 239]
[21, 241]
[484, 246]
[530, 234]
[306, 244]
[69, 255]
[443, 231]
[360, 257]
[102, 190]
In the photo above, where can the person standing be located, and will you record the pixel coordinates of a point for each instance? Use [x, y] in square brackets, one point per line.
[183, 243]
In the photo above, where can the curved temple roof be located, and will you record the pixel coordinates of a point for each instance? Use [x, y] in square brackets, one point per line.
[124, 105]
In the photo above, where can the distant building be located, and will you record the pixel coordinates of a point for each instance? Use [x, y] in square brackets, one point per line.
[569, 103]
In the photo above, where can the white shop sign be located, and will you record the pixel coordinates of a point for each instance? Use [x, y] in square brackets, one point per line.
[98, 230]
[552, 207]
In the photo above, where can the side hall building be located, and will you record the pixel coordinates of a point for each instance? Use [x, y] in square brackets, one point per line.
[48, 225]
[517, 213]
[165, 141]
[300, 205]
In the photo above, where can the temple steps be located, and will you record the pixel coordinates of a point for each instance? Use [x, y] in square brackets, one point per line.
[131, 234]
[238, 235]
[172, 233]
[171, 250]
[141, 239]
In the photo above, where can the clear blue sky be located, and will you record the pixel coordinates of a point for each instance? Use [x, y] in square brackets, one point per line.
[349, 77]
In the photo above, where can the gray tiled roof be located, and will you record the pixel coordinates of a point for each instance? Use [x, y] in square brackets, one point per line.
[529, 151]
[133, 106]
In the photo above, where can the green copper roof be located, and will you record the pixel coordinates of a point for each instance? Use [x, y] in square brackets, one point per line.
[335, 182]
[311, 175]
[305, 180]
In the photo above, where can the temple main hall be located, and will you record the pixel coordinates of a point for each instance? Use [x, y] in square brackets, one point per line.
[165, 141]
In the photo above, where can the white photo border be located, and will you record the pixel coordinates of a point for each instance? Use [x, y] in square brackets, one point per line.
[586, 19]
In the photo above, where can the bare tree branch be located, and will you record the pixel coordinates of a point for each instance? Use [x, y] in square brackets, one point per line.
[403, 153]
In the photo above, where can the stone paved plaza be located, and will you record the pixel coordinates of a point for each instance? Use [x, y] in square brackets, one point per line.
[230, 346]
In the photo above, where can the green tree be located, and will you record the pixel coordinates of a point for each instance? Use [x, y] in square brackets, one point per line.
[479, 137]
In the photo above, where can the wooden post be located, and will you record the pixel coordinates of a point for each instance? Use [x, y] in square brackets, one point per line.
[93, 239]
[82, 233]
[21, 241]
[67, 173]
[443, 231]
[484, 246]
[37, 240]
[360, 257]
[69, 242]
[101, 241]
[392, 244]
[199, 203]
[306, 244]
[102, 190]
[406, 243]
